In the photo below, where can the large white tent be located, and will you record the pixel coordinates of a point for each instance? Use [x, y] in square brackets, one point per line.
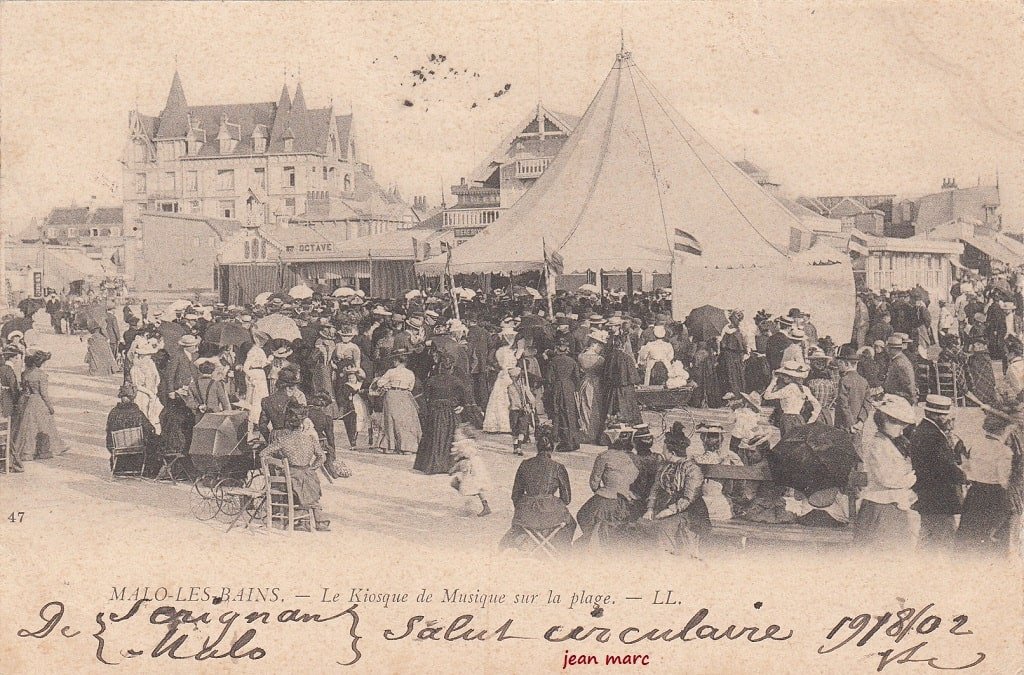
[633, 181]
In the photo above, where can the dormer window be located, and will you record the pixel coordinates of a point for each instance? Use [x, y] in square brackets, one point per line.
[259, 138]
[227, 135]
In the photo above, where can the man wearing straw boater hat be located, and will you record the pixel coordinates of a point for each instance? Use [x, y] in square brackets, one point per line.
[936, 460]
[899, 376]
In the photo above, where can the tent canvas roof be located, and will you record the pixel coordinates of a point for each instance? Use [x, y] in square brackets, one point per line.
[632, 172]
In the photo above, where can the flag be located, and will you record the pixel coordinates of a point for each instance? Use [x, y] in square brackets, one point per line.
[553, 261]
[687, 243]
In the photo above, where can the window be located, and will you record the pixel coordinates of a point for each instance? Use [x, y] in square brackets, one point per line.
[192, 181]
[51, 232]
[261, 178]
[348, 183]
[289, 176]
[246, 249]
[168, 207]
[141, 152]
[72, 231]
[226, 179]
[325, 173]
[140, 183]
[193, 206]
[263, 248]
[289, 206]
[95, 232]
[167, 182]
[289, 144]
[143, 206]
[259, 144]
[226, 209]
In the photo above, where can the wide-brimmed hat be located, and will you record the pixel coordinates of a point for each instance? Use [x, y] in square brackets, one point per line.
[898, 340]
[596, 319]
[709, 428]
[347, 330]
[795, 333]
[146, 347]
[817, 353]
[897, 407]
[753, 398]
[189, 341]
[940, 405]
[18, 334]
[414, 322]
[282, 352]
[795, 369]
[599, 336]
[848, 352]
[288, 378]
[327, 332]
[614, 321]
[381, 311]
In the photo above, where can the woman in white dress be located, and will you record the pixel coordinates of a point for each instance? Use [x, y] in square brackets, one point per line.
[146, 378]
[401, 414]
[496, 419]
[256, 377]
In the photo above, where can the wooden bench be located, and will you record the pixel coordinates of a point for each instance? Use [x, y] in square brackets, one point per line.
[746, 530]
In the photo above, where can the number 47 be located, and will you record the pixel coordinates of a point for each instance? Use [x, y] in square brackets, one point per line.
[16, 516]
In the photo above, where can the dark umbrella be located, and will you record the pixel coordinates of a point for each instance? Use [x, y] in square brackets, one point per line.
[22, 323]
[226, 334]
[920, 293]
[172, 332]
[92, 316]
[812, 458]
[706, 322]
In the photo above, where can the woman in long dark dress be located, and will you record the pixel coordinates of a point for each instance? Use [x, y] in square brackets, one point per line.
[732, 349]
[620, 379]
[443, 393]
[37, 436]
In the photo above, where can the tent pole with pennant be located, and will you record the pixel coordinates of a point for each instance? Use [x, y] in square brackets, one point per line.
[451, 280]
[549, 278]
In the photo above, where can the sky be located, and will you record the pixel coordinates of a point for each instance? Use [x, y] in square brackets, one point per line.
[830, 98]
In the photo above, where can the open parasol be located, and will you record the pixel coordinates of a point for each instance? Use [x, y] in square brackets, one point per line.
[279, 326]
[524, 291]
[262, 298]
[706, 322]
[464, 293]
[343, 292]
[179, 306]
[227, 334]
[414, 293]
[300, 292]
[813, 457]
[589, 288]
[22, 323]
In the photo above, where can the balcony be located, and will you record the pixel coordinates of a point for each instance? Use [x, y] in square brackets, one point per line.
[530, 168]
[471, 217]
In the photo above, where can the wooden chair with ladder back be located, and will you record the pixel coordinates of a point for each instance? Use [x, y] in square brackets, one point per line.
[281, 510]
[6, 461]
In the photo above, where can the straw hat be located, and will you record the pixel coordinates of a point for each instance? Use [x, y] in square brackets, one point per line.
[940, 405]
[795, 369]
[897, 340]
[898, 408]
[599, 336]
[189, 341]
[282, 352]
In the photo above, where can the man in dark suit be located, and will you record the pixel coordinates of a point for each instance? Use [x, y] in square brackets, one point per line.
[478, 341]
[936, 460]
[777, 343]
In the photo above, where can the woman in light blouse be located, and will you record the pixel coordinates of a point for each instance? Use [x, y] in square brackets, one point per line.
[788, 389]
[401, 414]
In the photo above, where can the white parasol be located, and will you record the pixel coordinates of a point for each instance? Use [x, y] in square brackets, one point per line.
[301, 292]
[279, 326]
[343, 292]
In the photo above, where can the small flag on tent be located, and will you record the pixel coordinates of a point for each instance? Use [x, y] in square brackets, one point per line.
[687, 243]
[553, 261]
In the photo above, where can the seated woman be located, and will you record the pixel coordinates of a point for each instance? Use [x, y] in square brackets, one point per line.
[301, 449]
[540, 493]
[126, 414]
[676, 516]
[981, 380]
[610, 479]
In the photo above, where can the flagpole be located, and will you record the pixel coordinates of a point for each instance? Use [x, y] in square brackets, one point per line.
[547, 280]
[451, 283]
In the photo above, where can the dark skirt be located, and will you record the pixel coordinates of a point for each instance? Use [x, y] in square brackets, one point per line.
[883, 526]
[680, 533]
[602, 515]
[985, 519]
[434, 452]
[623, 404]
[305, 485]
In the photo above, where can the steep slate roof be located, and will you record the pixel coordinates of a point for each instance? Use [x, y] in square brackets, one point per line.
[309, 128]
[67, 215]
[631, 173]
[502, 152]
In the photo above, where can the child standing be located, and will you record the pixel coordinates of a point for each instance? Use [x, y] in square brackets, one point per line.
[521, 406]
[469, 474]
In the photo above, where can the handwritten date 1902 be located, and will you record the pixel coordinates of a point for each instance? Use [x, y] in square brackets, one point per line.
[898, 626]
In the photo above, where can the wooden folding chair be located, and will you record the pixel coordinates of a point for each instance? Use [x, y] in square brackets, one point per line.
[5, 440]
[947, 384]
[128, 443]
[280, 501]
[542, 540]
[924, 374]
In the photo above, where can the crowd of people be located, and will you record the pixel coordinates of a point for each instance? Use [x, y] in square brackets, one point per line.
[426, 376]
